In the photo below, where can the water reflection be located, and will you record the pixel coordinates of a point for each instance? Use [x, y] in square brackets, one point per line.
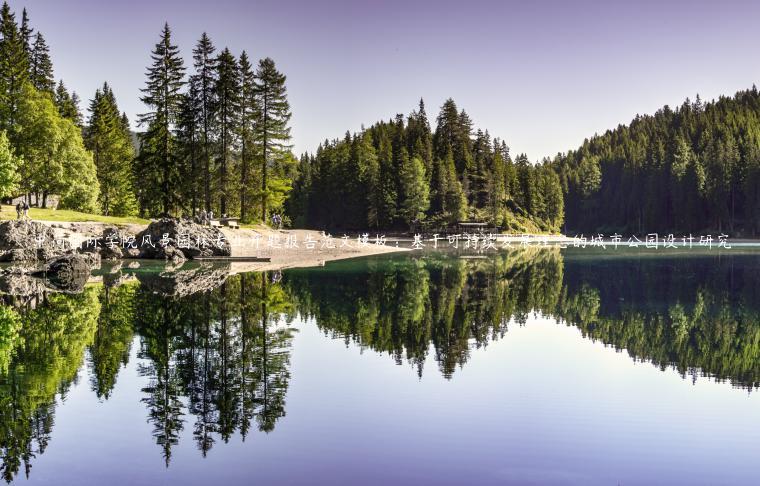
[214, 348]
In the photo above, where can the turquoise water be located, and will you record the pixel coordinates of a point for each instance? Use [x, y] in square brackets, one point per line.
[537, 366]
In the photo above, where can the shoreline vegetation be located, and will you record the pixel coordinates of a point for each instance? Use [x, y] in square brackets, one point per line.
[216, 137]
[77, 233]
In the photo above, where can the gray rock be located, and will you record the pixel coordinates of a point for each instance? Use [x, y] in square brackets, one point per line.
[27, 241]
[186, 280]
[111, 245]
[67, 273]
[177, 240]
[18, 282]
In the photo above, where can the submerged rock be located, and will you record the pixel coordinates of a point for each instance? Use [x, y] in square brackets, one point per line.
[19, 282]
[67, 273]
[185, 280]
[28, 241]
[178, 240]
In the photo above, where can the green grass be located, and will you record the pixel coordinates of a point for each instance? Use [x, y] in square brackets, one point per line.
[66, 215]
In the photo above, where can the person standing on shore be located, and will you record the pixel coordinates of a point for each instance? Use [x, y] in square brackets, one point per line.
[18, 210]
[26, 210]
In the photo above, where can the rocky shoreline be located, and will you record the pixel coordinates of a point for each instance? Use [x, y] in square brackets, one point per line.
[35, 249]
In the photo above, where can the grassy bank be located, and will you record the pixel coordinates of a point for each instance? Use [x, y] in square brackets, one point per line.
[65, 215]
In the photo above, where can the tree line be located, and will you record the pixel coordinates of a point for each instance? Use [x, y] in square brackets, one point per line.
[400, 173]
[42, 150]
[218, 140]
[692, 168]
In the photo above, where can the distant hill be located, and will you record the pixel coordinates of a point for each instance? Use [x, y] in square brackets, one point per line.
[695, 168]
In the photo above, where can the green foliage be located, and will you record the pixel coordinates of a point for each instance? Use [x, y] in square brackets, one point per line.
[14, 69]
[271, 131]
[47, 350]
[10, 324]
[40, 66]
[54, 159]
[414, 191]
[68, 104]
[688, 169]
[397, 172]
[9, 165]
[109, 139]
[157, 165]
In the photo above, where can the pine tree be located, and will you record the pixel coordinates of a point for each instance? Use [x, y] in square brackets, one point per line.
[110, 143]
[456, 200]
[272, 132]
[202, 82]
[226, 111]
[26, 32]
[68, 104]
[158, 157]
[14, 69]
[41, 67]
[414, 191]
[247, 127]
[187, 137]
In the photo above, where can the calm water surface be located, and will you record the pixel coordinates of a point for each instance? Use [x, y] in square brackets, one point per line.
[538, 366]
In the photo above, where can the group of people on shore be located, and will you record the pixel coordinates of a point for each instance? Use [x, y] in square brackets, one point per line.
[204, 217]
[22, 210]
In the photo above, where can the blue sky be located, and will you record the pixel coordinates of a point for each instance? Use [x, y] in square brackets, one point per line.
[542, 75]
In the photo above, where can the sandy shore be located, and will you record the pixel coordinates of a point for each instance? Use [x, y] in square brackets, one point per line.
[288, 248]
[285, 248]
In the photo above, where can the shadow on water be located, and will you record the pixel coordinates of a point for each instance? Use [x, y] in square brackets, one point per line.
[214, 348]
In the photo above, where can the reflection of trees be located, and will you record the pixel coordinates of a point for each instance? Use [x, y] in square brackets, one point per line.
[401, 306]
[693, 313]
[223, 352]
[217, 360]
[39, 361]
[698, 314]
[113, 337]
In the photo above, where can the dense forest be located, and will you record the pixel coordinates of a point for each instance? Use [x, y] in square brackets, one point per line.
[42, 150]
[401, 174]
[696, 167]
[216, 139]
[215, 135]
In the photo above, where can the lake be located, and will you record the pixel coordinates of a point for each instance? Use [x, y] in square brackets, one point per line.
[527, 366]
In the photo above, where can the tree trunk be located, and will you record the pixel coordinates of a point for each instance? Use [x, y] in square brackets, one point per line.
[264, 163]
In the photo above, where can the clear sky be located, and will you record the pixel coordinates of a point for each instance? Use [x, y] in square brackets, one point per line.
[542, 75]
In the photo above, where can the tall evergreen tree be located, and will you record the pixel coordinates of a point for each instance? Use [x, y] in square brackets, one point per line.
[68, 104]
[414, 191]
[14, 69]
[158, 157]
[188, 138]
[247, 123]
[202, 82]
[41, 67]
[26, 32]
[272, 132]
[226, 111]
[110, 143]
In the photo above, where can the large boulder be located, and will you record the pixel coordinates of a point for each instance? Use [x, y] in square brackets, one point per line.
[113, 244]
[28, 241]
[67, 273]
[178, 240]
